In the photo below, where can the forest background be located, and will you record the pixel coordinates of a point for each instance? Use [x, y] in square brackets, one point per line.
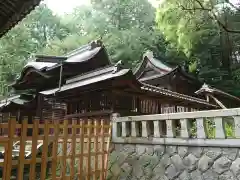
[201, 35]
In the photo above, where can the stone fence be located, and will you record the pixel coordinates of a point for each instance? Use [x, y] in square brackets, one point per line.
[186, 128]
[200, 145]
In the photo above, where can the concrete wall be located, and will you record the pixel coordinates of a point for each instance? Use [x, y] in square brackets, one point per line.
[160, 162]
[205, 145]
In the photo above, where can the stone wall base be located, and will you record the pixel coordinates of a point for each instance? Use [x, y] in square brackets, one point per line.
[160, 162]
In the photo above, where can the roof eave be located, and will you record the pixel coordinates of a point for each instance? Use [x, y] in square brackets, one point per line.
[18, 16]
[205, 89]
[148, 57]
[184, 97]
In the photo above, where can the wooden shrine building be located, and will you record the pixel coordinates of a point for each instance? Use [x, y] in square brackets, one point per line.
[85, 77]
[43, 72]
[157, 73]
[76, 91]
[84, 80]
[78, 94]
[116, 89]
[11, 13]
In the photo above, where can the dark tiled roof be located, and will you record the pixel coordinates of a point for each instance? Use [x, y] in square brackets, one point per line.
[149, 58]
[17, 101]
[85, 52]
[13, 11]
[162, 70]
[175, 70]
[47, 66]
[99, 75]
[39, 64]
[49, 59]
[113, 72]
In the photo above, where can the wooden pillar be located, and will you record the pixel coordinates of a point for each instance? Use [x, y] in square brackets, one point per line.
[30, 121]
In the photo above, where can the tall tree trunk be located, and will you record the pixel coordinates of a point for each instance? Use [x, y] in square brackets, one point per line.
[226, 48]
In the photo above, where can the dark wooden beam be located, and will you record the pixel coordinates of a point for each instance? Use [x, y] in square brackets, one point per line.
[90, 114]
[164, 99]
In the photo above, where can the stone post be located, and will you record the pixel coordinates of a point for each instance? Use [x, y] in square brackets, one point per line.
[144, 129]
[115, 129]
[170, 129]
[237, 126]
[185, 126]
[220, 132]
[201, 128]
[134, 129]
[156, 128]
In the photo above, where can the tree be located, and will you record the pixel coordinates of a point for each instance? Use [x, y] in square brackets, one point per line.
[27, 38]
[184, 33]
[129, 23]
[125, 14]
[193, 27]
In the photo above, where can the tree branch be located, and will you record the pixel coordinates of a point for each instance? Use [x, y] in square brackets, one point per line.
[223, 25]
[232, 5]
[202, 8]
[194, 9]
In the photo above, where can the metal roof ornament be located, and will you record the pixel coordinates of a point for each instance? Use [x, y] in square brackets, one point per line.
[118, 66]
[205, 86]
[96, 43]
[148, 54]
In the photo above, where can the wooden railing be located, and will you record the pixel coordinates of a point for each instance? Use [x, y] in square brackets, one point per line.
[80, 153]
[200, 128]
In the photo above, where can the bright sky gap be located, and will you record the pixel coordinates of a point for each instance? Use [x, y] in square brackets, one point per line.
[66, 6]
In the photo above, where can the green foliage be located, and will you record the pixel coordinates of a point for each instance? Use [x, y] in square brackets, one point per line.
[128, 28]
[211, 129]
[194, 30]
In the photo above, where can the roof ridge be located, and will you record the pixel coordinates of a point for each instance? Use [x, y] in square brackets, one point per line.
[112, 67]
[90, 45]
[184, 96]
[90, 74]
[47, 66]
[149, 56]
[41, 58]
[211, 89]
[76, 51]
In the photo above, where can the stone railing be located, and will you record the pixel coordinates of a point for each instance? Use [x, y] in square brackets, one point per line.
[201, 128]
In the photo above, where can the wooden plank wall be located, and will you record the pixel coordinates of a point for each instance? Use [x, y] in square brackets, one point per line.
[80, 153]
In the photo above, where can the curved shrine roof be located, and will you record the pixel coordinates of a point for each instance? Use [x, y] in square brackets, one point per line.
[116, 72]
[160, 68]
[217, 93]
[149, 60]
[85, 58]
[17, 102]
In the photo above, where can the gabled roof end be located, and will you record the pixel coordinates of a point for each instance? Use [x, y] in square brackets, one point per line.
[148, 54]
